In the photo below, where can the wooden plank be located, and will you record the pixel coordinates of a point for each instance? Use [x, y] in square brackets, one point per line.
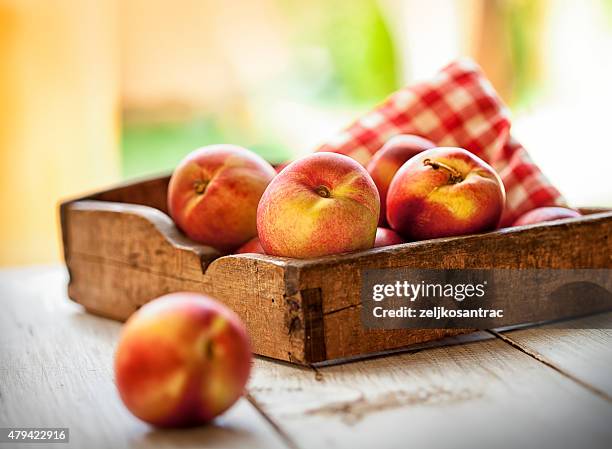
[339, 277]
[571, 243]
[56, 371]
[483, 394]
[137, 235]
[116, 291]
[583, 352]
[148, 192]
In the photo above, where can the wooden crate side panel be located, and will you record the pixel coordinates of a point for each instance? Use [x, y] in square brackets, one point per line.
[117, 290]
[276, 311]
[345, 336]
[581, 244]
[122, 256]
[151, 192]
[136, 235]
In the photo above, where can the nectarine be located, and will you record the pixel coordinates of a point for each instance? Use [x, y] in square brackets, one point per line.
[387, 237]
[541, 214]
[444, 192]
[387, 161]
[321, 204]
[182, 359]
[214, 192]
[252, 246]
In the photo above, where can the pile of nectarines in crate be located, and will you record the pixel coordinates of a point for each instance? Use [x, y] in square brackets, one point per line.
[326, 203]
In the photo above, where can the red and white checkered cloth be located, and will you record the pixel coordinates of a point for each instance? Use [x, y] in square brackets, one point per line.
[459, 108]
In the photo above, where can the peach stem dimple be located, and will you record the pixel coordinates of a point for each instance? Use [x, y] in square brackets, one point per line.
[200, 186]
[208, 349]
[323, 192]
[455, 175]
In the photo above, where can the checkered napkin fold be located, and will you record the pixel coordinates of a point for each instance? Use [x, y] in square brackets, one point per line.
[456, 108]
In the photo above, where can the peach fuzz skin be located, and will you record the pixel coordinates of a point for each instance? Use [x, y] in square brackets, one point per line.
[321, 204]
[214, 192]
[387, 237]
[548, 213]
[252, 246]
[388, 160]
[182, 359]
[444, 192]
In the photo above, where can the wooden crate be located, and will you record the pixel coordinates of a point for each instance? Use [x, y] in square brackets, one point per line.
[122, 250]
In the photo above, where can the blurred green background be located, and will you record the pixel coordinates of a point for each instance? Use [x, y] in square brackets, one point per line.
[329, 52]
[335, 59]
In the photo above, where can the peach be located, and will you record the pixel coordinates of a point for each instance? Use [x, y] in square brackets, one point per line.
[444, 192]
[324, 203]
[388, 160]
[549, 213]
[387, 237]
[252, 246]
[214, 192]
[279, 167]
[182, 359]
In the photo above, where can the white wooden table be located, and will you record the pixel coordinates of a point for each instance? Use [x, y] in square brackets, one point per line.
[542, 388]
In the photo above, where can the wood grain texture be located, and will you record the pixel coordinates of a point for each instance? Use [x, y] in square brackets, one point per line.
[483, 394]
[581, 349]
[150, 192]
[56, 371]
[306, 311]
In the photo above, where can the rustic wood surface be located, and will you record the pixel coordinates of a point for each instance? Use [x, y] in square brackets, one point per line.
[584, 353]
[122, 255]
[546, 387]
[56, 371]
